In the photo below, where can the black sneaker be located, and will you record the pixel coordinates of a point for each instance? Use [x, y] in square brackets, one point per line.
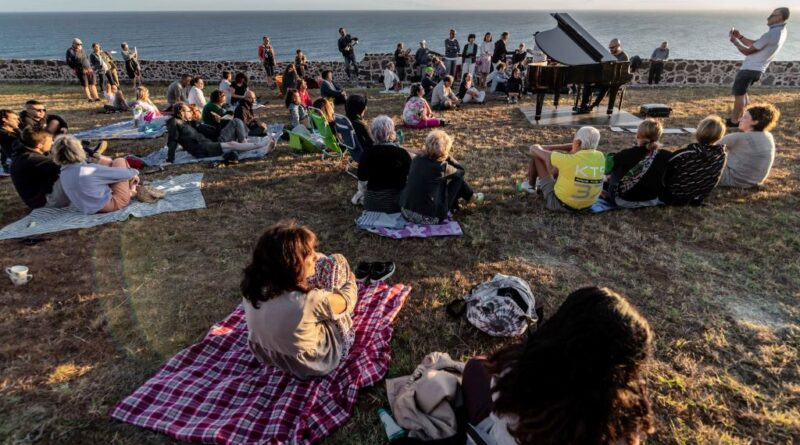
[381, 271]
[230, 158]
[362, 272]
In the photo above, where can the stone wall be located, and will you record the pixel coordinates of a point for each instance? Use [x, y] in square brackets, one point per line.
[676, 72]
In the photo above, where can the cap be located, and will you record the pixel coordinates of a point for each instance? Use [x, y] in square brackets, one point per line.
[77, 41]
[429, 69]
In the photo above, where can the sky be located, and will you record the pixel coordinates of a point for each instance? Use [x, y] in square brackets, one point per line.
[248, 5]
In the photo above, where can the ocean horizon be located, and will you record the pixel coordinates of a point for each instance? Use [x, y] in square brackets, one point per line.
[235, 35]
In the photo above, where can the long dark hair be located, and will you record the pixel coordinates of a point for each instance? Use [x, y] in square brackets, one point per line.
[278, 263]
[577, 380]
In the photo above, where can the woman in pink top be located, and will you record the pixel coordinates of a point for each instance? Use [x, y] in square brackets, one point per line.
[417, 112]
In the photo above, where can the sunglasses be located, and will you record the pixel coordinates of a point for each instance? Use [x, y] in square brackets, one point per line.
[39, 110]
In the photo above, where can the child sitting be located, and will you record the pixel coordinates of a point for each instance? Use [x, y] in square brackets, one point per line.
[580, 172]
[297, 112]
[514, 86]
[298, 304]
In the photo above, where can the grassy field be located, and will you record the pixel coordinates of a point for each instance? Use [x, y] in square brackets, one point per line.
[719, 284]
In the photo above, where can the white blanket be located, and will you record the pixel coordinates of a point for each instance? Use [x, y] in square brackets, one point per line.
[183, 193]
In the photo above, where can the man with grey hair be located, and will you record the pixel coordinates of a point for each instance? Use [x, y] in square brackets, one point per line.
[580, 168]
[384, 167]
[78, 60]
[660, 54]
[758, 55]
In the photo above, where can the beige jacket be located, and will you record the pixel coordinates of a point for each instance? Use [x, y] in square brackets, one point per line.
[423, 402]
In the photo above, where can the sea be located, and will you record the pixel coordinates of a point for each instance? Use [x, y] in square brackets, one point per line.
[198, 35]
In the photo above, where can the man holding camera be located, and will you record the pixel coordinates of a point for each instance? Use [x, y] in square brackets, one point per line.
[758, 55]
[346, 44]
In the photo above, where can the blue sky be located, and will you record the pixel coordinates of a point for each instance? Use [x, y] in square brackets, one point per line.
[246, 5]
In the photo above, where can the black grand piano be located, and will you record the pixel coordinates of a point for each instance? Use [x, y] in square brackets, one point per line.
[581, 60]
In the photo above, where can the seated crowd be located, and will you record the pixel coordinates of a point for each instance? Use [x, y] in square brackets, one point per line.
[304, 326]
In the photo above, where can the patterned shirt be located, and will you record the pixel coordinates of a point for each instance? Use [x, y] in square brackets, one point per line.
[692, 173]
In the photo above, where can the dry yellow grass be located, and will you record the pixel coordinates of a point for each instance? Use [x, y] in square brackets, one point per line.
[720, 283]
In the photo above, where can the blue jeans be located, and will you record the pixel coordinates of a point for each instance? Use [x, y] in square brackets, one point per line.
[350, 59]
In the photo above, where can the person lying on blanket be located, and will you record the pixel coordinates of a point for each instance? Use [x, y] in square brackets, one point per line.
[182, 129]
[579, 168]
[300, 324]
[93, 188]
[435, 183]
[637, 174]
[145, 112]
[576, 379]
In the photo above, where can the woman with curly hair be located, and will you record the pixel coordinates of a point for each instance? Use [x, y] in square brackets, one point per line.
[576, 380]
[298, 303]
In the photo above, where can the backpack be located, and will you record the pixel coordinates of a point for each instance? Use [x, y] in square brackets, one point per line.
[502, 307]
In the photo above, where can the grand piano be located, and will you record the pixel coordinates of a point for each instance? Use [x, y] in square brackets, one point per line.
[581, 60]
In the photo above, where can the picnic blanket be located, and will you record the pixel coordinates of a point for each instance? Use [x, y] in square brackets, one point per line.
[120, 130]
[404, 91]
[159, 156]
[216, 391]
[183, 193]
[393, 225]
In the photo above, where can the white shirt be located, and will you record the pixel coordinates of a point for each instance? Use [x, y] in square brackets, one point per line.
[197, 97]
[225, 87]
[389, 79]
[768, 46]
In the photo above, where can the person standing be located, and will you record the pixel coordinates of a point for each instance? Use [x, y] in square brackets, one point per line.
[346, 44]
[451, 47]
[660, 55]
[484, 63]
[103, 69]
[469, 56]
[266, 55]
[80, 64]
[300, 64]
[758, 55]
[131, 59]
[422, 58]
[401, 56]
[500, 50]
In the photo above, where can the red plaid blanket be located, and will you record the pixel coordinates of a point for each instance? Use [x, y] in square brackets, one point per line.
[215, 391]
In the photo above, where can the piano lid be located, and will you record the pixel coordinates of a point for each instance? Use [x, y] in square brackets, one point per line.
[570, 44]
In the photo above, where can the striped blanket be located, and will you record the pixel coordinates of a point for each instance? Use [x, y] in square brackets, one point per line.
[183, 193]
[216, 391]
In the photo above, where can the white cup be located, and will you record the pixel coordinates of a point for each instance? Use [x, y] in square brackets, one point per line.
[19, 275]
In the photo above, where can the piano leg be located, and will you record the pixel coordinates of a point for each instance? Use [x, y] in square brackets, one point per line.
[539, 105]
[556, 98]
[577, 90]
[612, 98]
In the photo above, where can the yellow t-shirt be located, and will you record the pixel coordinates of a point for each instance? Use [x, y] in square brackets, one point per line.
[580, 177]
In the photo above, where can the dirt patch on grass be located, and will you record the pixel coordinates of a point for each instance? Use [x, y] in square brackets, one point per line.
[718, 283]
